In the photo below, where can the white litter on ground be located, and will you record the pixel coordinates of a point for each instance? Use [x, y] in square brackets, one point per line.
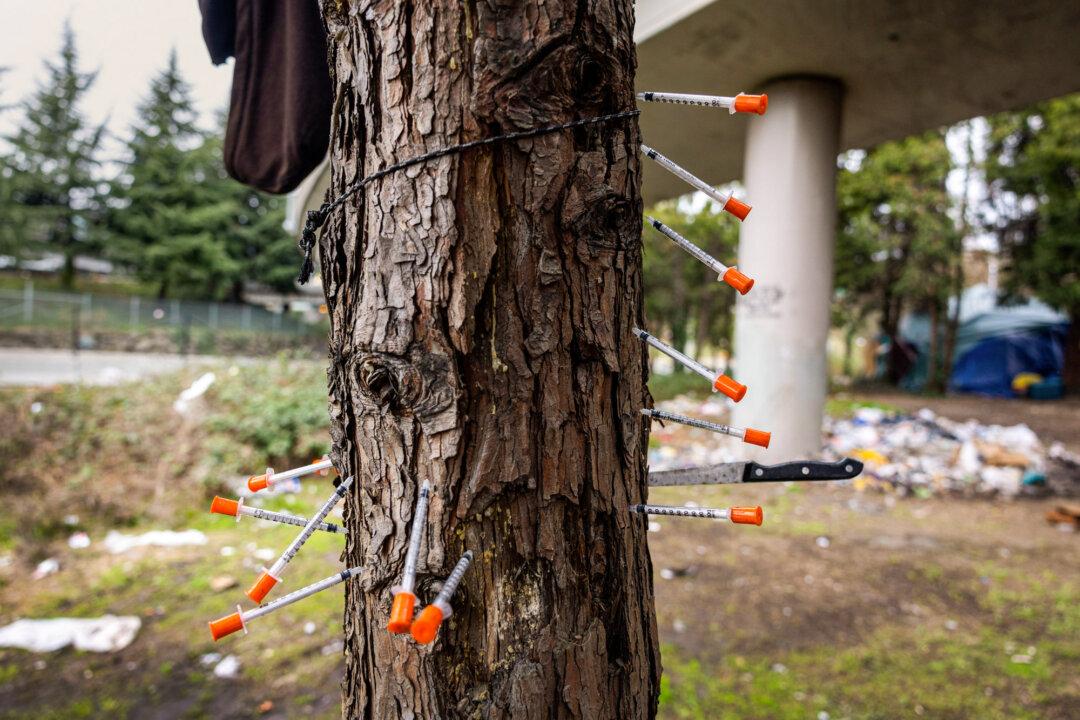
[117, 543]
[45, 568]
[79, 541]
[104, 634]
[193, 392]
[229, 667]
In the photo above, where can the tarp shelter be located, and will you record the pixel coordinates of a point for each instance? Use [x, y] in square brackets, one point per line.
[994, 343]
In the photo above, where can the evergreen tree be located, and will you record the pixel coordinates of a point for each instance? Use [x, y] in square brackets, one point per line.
[896, 242]
[51, 187]
[249, 225]
[181, 222]
[683, 296]
[161, 196]
[1033, 171]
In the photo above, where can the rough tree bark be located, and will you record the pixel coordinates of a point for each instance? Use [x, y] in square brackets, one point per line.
[481, 310]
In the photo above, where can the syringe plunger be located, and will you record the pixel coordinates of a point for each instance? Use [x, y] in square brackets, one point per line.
[426, 626]
[760, 438]
[404, 605]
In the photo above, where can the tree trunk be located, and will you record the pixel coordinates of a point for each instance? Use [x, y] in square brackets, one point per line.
[1070, 374]
[481, 311]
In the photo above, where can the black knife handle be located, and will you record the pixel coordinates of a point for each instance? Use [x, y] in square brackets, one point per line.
[805, 470]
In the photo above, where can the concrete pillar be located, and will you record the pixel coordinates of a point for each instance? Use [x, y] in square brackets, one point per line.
[786, 245]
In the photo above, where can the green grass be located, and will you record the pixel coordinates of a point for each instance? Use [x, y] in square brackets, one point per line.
[983, 669]
[842, 406]
[666, 387]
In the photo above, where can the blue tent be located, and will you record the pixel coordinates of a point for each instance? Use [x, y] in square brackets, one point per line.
[994, 343]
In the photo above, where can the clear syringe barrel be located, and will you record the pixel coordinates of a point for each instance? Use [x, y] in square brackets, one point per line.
[300, 594]
[718, 267]
[740, 515]
[442, 600]
[761, 438]
[686, 176]
[238, 620]
[694, 422]
[676, 355]
[236, 508]
[269, 478]
[741, 103]
[285, 518]
[408, 580]
[309, 528]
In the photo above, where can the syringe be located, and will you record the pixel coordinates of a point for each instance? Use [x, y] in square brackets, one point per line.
[238, 620]
[747, 435]
[427, 624]
[270, 577]
[726, 200]
[401, 612]
[730, 275]
[224, 506]
[741, 103]
[270, 478]
[728, 386]
[740, 515]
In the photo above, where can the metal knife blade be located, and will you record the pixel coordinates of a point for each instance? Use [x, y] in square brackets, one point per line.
[745, 472]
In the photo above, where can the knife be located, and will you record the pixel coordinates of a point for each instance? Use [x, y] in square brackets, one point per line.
[746, 472]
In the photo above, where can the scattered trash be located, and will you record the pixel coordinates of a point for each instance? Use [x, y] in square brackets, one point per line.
[309, 628]
[229, 667]
[45, 568]
[36, 407]
[265, 554]
[925, 453]
[117, 543]
[822, 542]
[193, 392]
[104, 634]
[266, 706]
[71, 520]
[79, 541]
[1065, 515]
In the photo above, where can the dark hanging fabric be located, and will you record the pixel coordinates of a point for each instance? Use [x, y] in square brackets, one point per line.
[278, 129]
[219, 28]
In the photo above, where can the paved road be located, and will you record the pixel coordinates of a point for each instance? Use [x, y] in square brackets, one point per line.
[24, 366]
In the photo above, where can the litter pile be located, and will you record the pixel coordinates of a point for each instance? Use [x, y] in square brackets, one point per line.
[925, 453]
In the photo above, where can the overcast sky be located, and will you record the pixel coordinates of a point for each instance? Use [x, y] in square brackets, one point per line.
[127, 41]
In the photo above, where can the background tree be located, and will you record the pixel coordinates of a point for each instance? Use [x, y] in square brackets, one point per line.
[482, 309]
[683, 297]
[52, 164]
[159, 201]
[179, 221]
[896, 241]
[1033, 171]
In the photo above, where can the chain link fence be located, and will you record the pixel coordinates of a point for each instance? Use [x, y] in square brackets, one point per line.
[88, 321]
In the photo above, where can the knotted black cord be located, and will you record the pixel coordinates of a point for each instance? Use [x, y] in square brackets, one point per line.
[316, 218]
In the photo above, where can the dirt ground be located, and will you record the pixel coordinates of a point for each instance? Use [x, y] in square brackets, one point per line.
[844, 604]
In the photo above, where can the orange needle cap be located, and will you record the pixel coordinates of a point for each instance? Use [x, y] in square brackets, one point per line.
[427, 624]
[757, 437]
[751, 103]
[224, 506]
[261, 587]
[737, 280]
[226, 626]
[731, 388]
[401, 612]
[747, 515]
